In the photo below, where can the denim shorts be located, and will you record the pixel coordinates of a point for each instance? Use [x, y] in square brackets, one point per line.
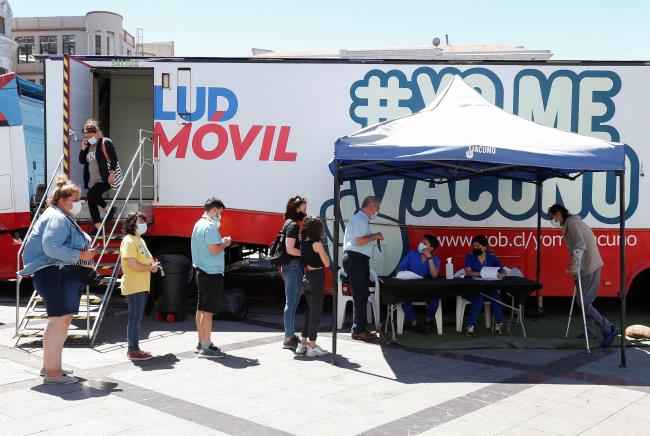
[61, 289]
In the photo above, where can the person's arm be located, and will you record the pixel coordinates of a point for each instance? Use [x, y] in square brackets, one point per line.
[215, 244]
[137, 266]
[433, 268]
[55, 234]
[291, 236]
[129, 252]
[318, 248]
[496, 262]
[83, 153]
[363, 240]
[578, 244]
[469, 272]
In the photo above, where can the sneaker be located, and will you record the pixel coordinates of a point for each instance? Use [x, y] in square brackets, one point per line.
[291, 344]
[65, 372]
[497, 328]
[302, 348]
[610, 336]
[469, 330]
[211, 353]
[316, 352]
[59, 380]
[198, 348]
[139, 355]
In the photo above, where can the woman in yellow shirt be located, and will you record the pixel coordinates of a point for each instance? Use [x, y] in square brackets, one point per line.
[137, 266]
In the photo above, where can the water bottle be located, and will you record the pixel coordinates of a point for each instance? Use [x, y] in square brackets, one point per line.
[449, 269]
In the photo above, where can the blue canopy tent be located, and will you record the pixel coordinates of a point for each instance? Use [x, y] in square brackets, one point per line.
[460, 136]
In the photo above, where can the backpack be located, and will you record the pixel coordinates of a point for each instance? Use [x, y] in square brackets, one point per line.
[278, 253]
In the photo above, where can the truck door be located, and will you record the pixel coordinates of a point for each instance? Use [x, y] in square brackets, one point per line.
[79, 109]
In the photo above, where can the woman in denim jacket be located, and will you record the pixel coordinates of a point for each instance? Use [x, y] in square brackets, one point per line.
[55, 254]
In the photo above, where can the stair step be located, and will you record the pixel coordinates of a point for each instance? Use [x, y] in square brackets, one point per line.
[94, 299]
[43, 315]
[38, 333]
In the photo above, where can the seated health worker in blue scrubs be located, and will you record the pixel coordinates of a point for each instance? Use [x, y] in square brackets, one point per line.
[480, 257]
[423, 263]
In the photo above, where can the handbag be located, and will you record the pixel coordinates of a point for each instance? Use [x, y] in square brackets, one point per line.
[117, 175]
[278, 253]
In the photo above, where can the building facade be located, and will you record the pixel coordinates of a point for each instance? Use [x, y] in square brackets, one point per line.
[99, 33]
[7, 43]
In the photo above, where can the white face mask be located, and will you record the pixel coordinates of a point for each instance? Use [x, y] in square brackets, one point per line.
[374, 215]
[76, 208]
[555, 223]
[92, 140]
[142, 228]
[421, 247]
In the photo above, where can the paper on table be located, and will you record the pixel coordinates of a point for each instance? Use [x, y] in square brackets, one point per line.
[490, 272]
[407, 275]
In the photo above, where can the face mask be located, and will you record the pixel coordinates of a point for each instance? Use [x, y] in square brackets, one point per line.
[142, 228]
[76, 208]
[92, 140]
[300, 216]
[477, 251]
[555, 223]
[421, 247]
[374, 215]
[217, 221]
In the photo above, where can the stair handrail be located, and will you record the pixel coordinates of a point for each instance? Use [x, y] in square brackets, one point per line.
[29, 232]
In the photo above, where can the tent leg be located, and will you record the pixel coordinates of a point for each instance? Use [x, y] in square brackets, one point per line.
[538, 298]
[621, 201]
[335, 255]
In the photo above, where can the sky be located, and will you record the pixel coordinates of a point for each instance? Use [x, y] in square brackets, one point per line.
[571, 29]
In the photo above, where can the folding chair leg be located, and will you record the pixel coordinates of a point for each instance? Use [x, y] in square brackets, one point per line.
[460, 312]
[521, 319]
[341, 314]
[439, 318]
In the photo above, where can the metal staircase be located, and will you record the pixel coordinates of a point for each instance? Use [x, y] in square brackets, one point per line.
[86, 324]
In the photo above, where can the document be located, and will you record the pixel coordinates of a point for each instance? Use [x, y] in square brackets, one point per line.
[407, 275]
[490, 272]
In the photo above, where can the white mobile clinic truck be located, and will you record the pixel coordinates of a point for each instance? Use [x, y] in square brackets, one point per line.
[252, 132]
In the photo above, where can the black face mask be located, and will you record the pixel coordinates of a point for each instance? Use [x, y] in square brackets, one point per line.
[477, 251]
[300, 216]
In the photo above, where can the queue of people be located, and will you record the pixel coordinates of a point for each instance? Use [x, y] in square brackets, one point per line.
[59, 256]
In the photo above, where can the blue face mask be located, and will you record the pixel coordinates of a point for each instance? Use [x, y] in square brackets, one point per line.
[142, 228]
[92, 140]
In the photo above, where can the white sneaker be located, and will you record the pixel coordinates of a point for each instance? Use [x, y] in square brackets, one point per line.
[316, 352]
[302, 348]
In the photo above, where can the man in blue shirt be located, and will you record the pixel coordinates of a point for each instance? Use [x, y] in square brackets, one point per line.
[208, 260]
[357, 251]
[475, 261]
[423, 263]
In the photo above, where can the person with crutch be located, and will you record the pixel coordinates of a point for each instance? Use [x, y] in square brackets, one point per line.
[584, 267]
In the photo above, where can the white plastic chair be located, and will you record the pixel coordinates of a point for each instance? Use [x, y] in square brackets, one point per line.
[373, 300]
[400, 317]
[461, 303]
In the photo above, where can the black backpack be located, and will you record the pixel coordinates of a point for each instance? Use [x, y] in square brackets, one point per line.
[278, 253]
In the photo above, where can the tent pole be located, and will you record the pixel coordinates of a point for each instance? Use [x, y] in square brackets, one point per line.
[538, 270]
[621, 242]
[335, 254]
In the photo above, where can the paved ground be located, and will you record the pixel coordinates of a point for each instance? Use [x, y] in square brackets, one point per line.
[262, 389]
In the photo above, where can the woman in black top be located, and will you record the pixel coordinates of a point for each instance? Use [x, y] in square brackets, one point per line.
[292, 271]
[96, 151]
[315, 260]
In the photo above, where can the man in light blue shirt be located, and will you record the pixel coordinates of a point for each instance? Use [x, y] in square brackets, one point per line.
[208, 259]
[357, 251]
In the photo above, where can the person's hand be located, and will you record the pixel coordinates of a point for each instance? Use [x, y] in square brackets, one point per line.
[227, 241]
[379, 236]
[502, 274]
[87, 254]
[572, 271]
[84, 144]
[154, 266]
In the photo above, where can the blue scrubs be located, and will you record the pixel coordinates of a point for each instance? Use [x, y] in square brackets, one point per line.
[472, 261]
[413, 262]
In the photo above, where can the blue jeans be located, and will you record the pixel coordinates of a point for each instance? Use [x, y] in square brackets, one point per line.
[136, 303]
[477, 301]
[292, 273]
[409, 313]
